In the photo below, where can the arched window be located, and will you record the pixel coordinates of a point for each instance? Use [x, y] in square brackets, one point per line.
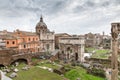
[7, 42]
[13, 42]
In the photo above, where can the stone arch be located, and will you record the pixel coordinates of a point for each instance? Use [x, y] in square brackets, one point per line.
[68, 48]
[2, 65]
[19, 60]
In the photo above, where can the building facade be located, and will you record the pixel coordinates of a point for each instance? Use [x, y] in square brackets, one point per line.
[89, 40]
[22, 41]
[72, 48]
[95, 40]
[106, 42]
[46, 37]
[58, 36]
[2, 42]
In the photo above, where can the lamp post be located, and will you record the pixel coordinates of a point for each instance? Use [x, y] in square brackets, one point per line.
[115, 30]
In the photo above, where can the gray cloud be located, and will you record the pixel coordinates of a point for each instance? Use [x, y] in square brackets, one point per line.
[83, 15]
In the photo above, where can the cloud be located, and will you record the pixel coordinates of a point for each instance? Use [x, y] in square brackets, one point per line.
[71, 16]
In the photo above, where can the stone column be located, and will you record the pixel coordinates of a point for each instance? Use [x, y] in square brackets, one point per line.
[0, 76]
[82, 52]
[53, 45]
[114, 61]
[114, 58]
[79, 53]
[65, 51]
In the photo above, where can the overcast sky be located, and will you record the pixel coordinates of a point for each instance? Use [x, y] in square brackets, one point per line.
[70, 16]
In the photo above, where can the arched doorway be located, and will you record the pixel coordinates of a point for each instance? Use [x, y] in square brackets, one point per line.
[68, 52]
[76, 56]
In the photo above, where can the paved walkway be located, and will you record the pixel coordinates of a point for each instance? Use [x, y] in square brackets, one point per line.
[3, 77]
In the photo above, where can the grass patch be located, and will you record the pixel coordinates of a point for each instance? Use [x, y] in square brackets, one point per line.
[102, 54]
[89, 50]
[36, 73]
[81, 73]
[46, 63]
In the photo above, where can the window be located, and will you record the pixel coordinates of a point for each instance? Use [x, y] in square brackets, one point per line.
[29, 39]
[7, 42]
[33, 39]
[38, 49]
[36, 39]
[13, 42]
[24, 46]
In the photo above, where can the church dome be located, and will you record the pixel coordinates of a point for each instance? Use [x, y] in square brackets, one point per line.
[41, 24]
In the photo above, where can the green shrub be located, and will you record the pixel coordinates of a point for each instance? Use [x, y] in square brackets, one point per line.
[97, 72]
